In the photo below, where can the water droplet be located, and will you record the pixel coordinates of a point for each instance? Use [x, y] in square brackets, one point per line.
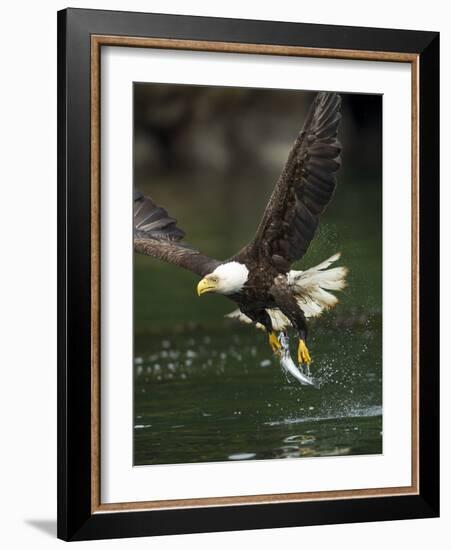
[241, 456]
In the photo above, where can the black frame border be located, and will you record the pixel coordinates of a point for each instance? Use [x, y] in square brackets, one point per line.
[75, 520]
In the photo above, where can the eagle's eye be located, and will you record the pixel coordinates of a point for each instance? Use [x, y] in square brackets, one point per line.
[214, 278]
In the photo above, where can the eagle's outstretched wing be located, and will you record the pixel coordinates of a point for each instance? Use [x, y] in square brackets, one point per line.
[156, 234]
[303, 190]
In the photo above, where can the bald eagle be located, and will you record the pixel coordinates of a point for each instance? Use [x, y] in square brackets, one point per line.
[259, 278]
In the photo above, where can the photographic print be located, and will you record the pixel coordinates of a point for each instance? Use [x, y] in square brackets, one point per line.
[248, 260]
[257, 274]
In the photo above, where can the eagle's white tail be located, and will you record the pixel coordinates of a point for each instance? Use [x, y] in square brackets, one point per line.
[311, 290]
[311, 287]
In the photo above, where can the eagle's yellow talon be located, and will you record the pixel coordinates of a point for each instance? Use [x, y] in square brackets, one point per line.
[274, 342]
[303, 354]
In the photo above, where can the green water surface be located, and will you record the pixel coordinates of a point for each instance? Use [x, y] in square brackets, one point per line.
[207, 389]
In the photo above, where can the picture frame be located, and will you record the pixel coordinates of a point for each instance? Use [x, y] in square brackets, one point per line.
[81, 36]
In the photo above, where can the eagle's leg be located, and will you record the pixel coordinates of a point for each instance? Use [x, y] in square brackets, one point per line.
[274, 342]
[290, 308]
[303, 353]
[261, 316]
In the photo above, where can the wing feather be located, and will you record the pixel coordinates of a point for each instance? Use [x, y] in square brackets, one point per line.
[303, 190]
[156, 234]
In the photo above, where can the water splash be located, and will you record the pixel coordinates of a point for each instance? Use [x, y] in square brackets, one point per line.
[241, 456]
[365, 412]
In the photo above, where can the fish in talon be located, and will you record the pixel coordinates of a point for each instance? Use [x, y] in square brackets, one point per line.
[288, 365]
[284, 342]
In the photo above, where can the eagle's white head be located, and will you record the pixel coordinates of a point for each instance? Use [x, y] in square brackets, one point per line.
[227, 278]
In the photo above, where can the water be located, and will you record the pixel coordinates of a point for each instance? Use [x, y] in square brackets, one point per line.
[210, 390]
[220, 396]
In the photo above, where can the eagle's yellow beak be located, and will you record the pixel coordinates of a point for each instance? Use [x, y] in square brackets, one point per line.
[206, 285]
